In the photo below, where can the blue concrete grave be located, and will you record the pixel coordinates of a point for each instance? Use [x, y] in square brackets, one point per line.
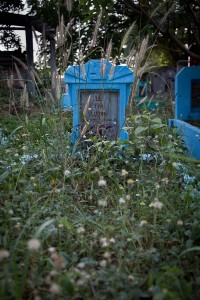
[187, 108]
[99, 93]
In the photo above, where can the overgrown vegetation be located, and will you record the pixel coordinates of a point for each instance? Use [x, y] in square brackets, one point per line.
[110, 222]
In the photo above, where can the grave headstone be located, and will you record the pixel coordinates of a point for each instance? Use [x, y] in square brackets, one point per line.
[187, 98]
[187, 108]
[99, 93]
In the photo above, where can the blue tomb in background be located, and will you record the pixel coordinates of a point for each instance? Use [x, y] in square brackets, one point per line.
[187, 108]
[99, 93]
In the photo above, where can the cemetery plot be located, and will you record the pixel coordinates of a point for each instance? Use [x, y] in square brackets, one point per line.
[101, 112]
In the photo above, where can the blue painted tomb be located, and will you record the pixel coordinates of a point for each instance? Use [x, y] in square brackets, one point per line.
[99, 93]
[187, 108]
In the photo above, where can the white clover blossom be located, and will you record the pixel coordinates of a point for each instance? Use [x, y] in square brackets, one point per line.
[96, 170]
[103, 263]
[130, 181]
[34, 244]
[51, 250]
[101, 182]
[122, 201]
[165, 180]
[175, 165]
[180, 223]
[124, 172]
[156, 204]
[112, 241]
[67, 173]
[80, 230]
[4, 254]
[104, 242]
[143, 222]
[102, 202]
[54, 289]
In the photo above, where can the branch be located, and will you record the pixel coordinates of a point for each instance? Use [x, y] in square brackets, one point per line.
[160, 29]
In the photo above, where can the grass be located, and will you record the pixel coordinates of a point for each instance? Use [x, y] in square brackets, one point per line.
[109, 221]
[103, 223]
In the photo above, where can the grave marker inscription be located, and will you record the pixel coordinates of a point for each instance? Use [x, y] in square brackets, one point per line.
[102, 113]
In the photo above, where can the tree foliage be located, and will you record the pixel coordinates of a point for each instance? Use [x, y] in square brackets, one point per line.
[9, 38]
[172, 26]
[14, 5]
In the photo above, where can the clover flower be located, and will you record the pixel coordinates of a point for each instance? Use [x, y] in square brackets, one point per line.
[101, 182]
[67, 173]
[156, 204]
[4, 254]
[34, 244]
[124, 172]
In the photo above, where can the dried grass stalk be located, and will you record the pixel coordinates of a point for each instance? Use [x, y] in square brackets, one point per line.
[69, 4]
[21, 81]
[98, 23]
[24, 99]
[112, 69]
[109, 50]
[87, 105]
[126, 36]
[103, 67]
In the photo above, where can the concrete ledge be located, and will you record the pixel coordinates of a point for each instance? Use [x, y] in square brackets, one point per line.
[190, 135]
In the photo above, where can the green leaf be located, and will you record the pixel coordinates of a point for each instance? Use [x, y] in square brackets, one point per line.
[4, 175]
[66, 224]
[156, 120]
[140, 129]
[42, 227]
[16, 129]
[156, 126]
[192, 249]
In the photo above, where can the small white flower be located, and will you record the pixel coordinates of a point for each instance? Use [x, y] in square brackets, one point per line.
[67, 173]
[101, 182]
[103, 263]
[102, 202]
[124, 172]
[112, 241]
[130, 181]
[179, 222]
[107, 255]
[122, 201]
[143, 222]
[104, 242]
[54, 289]
[174, 165]
[165, 180]
[157, 187]
[157, 204]
[96, 170]
[81, 265]
[4, 254]
[52, 250]
[34, 244]
[170, 136]
[128, 197]
[81, 229]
